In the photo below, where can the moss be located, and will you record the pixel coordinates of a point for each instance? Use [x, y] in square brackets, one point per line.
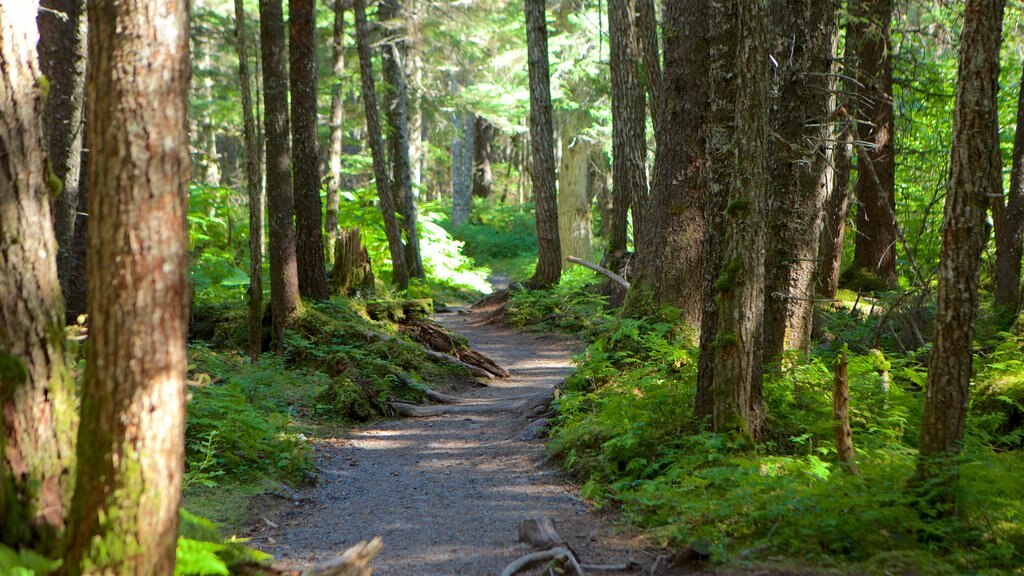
[725, 340]
[863, 280]
[53, 182]
[737, 206]
[12, 373]
[729, 277]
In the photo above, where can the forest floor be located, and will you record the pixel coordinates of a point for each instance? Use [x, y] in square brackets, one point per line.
[446, 493]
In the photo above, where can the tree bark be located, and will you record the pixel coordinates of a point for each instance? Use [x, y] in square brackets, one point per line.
[975, 177]
[629, 140]
[739, 82]
[309, 238]
[462, 169]
[253, 187]
[414, 57]
[483, 139]
[376, 141]
[284, 276]
[669, 261]
[802, 167]
[1008, 219]
[647, 36]
[396, 99]
[837, 203]
[131, 455]
[37, 393]
[542, 139]
[574, 223]
[868, 36]
[62, 56]
[335, 150]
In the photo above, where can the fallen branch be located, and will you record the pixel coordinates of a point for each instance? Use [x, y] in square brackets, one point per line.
[560, 554]
[600, 270]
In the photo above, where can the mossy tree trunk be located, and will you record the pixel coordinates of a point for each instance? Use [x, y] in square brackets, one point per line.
[309, 238]
[739, 82]
[1008, 217]
[37, 393]
[975, 177]
[542, 140]
[131, 447]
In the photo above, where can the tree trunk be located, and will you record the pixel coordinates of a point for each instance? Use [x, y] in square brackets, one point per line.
[574, 224]
[483, 138]
[1009, 228]
[868, 36]
[629, 140]
[395, 104]
[62, 56]
[37, 393]
[549, 263]
[802, 167]
[335, 149]
[284, 278]
[837, 203]
[131, 449]
[352, 267]
[669, 260]
[309, 238]
[376, 142]
[739, 82]
[462, 170]
[254, 189]
[647, 36]
[415, 59]
[975, 177]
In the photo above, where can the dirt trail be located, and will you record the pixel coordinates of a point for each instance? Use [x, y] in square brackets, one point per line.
[446, 493]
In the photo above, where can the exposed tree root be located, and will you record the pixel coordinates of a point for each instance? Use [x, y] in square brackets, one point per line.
[560, 555]
[436, 338]
[528, 405]
[356, 561]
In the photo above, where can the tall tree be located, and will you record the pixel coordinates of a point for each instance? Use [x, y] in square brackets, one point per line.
[284, 276]
[870, 54]
[462, 167]
[483, 141]
[131, 449]
[376, 138]
[629, 139]
[806, 32]
[309, 238]
[253, 185]
[739, 82]
[1008, 218]
[647, 36]
[62, 56]
[542, 139]
[574, 221]
[37, 393]
[836, 208]
[396, 106]
[669, 261]
[335, 149]
[975, 177]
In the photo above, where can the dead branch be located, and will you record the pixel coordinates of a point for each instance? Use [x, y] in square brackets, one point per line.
[600, 270]
[560, 554]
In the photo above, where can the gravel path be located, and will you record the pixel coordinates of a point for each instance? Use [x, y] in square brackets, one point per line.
[446, 493]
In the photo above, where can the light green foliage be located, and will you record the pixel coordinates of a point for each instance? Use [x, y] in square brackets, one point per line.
[202, 551]
[503, 238]
[25, 563]
[570, 305]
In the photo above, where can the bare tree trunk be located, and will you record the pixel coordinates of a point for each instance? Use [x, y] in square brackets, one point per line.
[37, 393]
[739, 82]
[669, 262]
[574, 223]
[462, 170]
[309, 238]
[868, 36]
[837, 202]
[254, 189]
[1009, 228]
[376, 142]
[62, 57]
[629, 140]
[801, 171]
[483, 139]
[395, 104]
[131, 449]
[337, 127]
[975, 177]
[647, 33]
[549, 263]
[284, 276]
[415, 59]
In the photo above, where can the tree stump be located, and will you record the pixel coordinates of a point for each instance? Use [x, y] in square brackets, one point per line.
[352, 268]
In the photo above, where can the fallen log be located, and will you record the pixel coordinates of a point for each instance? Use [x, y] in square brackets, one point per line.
[436, 338]
[527, 405]
[356, 561]
[600, 270]
[474, 370]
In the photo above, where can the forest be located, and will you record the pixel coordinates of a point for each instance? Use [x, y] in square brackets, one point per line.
[575, 287]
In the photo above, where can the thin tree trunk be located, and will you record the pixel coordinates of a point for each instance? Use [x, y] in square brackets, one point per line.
[483, 139]
[868, 36]
[629, 141]
[395, 105]
[549, 263]
[284, 276]
[975, 177]
[131, 449]
[574, 223]
[647, 35]
[739, 82]
[62, 57]
[309, 238]
[801, 171]
[837, 202]
[254, 189]
[669, 259]
[376, 142]
[1009, 227]
[415, 59]
[337, 128]
[37, 392]
[462, 161]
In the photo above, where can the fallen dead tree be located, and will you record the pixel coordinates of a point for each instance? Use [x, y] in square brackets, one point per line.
[528, 405]
[471, 367]
[356, 561]
[435, 338]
